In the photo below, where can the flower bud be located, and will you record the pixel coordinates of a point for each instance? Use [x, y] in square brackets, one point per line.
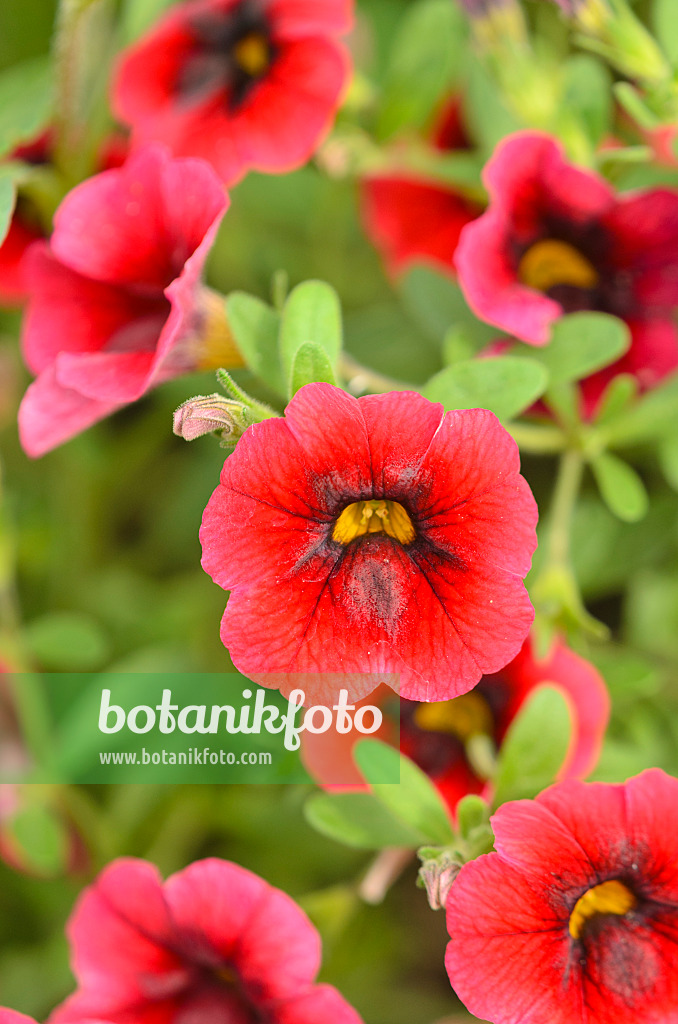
[437, 876]
[207, 414]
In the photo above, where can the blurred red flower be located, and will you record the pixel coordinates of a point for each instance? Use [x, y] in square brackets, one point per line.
[557, 239]
[575, 918]
[242, 83]
[410, 218]
[24, 229]
[25, 226]
[12, 1017]
[116, 304]
[436, 736]
[213, 943]
[391, 538]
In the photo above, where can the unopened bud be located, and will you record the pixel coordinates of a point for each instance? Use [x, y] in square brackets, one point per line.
[437, 876]
[212, 414]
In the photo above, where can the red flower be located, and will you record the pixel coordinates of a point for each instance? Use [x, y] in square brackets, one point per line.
[25, 226]
[391, 538]
[213, 943]
[24, 229]
[435, 735]
[411, 219]
[242, 83]
[22, 233]
[557, 239]
[115, 305]
[575, 918]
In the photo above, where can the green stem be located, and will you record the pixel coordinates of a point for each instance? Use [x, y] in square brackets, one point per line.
[26, 689]
[537, 440]
[70, 121]
[361, 380]
[562, 507]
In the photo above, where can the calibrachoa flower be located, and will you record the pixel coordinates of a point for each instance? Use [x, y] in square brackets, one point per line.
[26, 226]
[116, 303]
[575, 918]
[213, 943]
[410, 218]
[436, 736]
[390, 538]
[242, 83]
[557, 239]
[24, 229]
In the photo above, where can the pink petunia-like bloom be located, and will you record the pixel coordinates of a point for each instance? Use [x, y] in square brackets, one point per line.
[116, 302]
[557, 239]
[436, 736]
[574, 919]
[245, 84]
[214, 943]
[391, 538]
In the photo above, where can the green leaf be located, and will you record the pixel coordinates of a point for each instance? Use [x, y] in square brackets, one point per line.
[504, 384]
[534, 747]
[580, 344]
[437, 303]
[472, 813]
[587, 94]
[617, 397]
[654, 416]
[312, 313]
[620, 487]
[310, 365]
[40, 839]
[664, 17]
[423, 64]
[255, 327]
[668, 460]
[488, 117]
[7, 201]
[359, 819]
[414, 801]
[138, 15]
[25, 102]
[67, 641]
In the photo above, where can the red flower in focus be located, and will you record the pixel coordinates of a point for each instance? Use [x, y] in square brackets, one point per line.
[116, 304]
[213, 943]
[411, 219]
[391, 538]
[435, 736]
[557, 239]
[575, 918]
[242, 83]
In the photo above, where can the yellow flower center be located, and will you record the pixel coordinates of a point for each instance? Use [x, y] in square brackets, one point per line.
[549, 263]
[607, 898]
[252, 54]
[376, 516]
[462, 717]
